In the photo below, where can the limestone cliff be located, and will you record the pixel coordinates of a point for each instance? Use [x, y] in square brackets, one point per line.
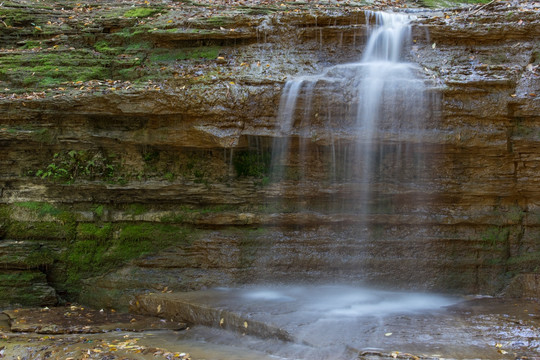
[136, 145]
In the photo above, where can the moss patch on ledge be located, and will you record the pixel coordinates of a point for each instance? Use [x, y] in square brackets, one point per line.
[101, 248]
[451, 3]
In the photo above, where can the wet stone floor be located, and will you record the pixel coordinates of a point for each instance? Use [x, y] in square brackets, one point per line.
[481, 328]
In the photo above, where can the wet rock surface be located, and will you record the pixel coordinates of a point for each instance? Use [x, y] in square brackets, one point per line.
[336, 322]
[123, 161]
[71, 332]
[77, 319]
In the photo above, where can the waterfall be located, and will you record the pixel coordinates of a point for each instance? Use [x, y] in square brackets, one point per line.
[368, 115]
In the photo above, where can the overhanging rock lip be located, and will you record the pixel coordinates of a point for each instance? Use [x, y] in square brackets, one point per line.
[183, 307]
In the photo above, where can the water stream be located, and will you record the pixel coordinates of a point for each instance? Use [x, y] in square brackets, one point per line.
[379, 104]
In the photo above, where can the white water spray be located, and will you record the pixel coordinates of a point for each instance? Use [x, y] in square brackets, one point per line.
[376, 107]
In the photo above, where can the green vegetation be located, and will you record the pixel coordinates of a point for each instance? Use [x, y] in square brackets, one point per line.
[40, 208]
[495, 236]
[136, 209]
[38, 230]
[31, 44]
[169, 176]
[41, 257]
[98, 250]
[141, 12]
[68, 166]
[251, 163]
[46, 68]
[104, 47]
[98, 210]
[90, 231]
[451, 3]
[17, 16]
[515, 214]
[220, 21]
[16, 278]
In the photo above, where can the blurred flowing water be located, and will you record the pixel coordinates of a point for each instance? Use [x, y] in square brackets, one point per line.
[376, 107]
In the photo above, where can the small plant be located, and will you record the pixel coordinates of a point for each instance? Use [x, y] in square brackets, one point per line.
[31, 44]
[169, 176]
[98, 210]
[71, 165]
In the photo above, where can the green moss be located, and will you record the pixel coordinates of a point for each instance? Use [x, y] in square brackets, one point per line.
[31, 44]
[18, 278]
[5, 219]
[41, 257]
[49, 69]
[174, 218]
[450, 3]
[141, 12]
[17, 17]
[97, 251]
[90, 231]
[515, 214]
[495, 236]
[169, 176]
[40, 208]
[43, 136]
[154, 232]
[98, 210]
[139, 46]
[136, 209]
[20, 230]
[220, 21]
[104, 47]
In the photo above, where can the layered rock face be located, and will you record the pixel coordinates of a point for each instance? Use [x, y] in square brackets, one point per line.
[115, 187]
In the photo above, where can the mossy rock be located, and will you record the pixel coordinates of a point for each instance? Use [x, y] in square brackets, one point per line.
[142, 12]
[46, 230]
[450, 3]
[25, 288]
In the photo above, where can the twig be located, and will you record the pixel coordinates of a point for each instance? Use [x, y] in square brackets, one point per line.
[483, 6]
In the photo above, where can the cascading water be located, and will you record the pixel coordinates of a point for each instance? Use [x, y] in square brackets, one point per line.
[360, 126]
[376, 108]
